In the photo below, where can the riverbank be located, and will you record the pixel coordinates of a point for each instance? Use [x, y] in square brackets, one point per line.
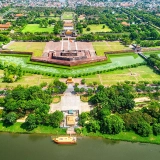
[17, 128]
[128, 136]
[123, 136]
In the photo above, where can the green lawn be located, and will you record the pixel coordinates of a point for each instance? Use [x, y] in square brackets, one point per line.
[141, 73]
[67, 16]
[27, 80]
[101, 47]
[116, 46]
[125, 136]
[35, 28]
[35, 47]
[16, 128]
[128, 136]
[96, 28]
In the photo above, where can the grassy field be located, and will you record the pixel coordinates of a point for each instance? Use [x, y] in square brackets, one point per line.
[35, 47]
[123, 136]
[141, 73]
[56, 99]
[101, 47]
[96, 28]
[67, 16]
[128, 136]
[35, 28]
[16, 128]
[27, 80]
[152, 52]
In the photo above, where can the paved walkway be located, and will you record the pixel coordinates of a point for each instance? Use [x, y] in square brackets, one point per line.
[7, 45]
[70, 101]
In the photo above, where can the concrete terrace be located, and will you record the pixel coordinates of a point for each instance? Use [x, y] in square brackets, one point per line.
[70, 101]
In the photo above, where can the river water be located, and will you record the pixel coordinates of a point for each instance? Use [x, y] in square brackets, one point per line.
[40, 147]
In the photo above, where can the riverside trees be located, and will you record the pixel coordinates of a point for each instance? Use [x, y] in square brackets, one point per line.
[114, 112]
[32, 102]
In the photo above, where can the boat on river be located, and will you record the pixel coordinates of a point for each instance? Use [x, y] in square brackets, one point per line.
[65, 140]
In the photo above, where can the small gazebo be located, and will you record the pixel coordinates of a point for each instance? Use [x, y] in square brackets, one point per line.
[69, 80]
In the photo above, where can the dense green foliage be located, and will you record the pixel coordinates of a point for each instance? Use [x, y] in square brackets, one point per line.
[154, 60]
[12, 73]
[116, 98]
[114, 111]
[32, 102]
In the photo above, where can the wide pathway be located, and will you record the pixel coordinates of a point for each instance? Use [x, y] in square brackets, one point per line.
[70, 101]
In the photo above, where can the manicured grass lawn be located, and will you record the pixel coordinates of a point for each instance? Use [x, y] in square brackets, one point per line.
[116, 46]
[67, 15]
[141, 73]
[56, 99]
[40, 129]
[27, 80]
[152, 52]
[128, 136]
[35, 47]
[101, 47]
[35, 28]
[96, 28]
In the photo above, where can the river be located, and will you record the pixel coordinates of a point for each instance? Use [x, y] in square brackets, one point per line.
[40, 147]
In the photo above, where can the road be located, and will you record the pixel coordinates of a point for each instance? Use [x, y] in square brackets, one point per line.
[70, 101]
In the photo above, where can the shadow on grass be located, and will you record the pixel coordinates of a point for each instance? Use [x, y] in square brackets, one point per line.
[6, 124]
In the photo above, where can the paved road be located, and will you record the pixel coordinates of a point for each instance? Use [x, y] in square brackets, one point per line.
[70, 101]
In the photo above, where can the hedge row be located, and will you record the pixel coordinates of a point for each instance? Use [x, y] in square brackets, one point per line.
[117, 52]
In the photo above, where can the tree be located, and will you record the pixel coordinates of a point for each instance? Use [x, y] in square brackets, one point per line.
[83, 81]
[143, 129]
[12, 73]
[156, 129]
[45, 24]
[11, 118]
[103, 26]
[92, 126]
[126, 41]
[40, 24]
[31, 122]
[81, 90]
[88, 29]
[112, 124]
[76, 89]
[89, 91]
[55, 119]
[134, 35]
[4, 38]
[59, 87]
[83, 118]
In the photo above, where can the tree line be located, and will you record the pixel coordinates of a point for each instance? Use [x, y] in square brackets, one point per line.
[32, 102]
[114, 112]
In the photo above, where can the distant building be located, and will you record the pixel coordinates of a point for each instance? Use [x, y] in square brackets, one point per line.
[70, 120]
[68, 26]
[125, 24]
[5, 26]
[19, 15]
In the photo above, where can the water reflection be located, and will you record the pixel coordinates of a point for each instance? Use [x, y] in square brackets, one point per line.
[110, 142]
[40, 147]
[38, 137]
[14, 135]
